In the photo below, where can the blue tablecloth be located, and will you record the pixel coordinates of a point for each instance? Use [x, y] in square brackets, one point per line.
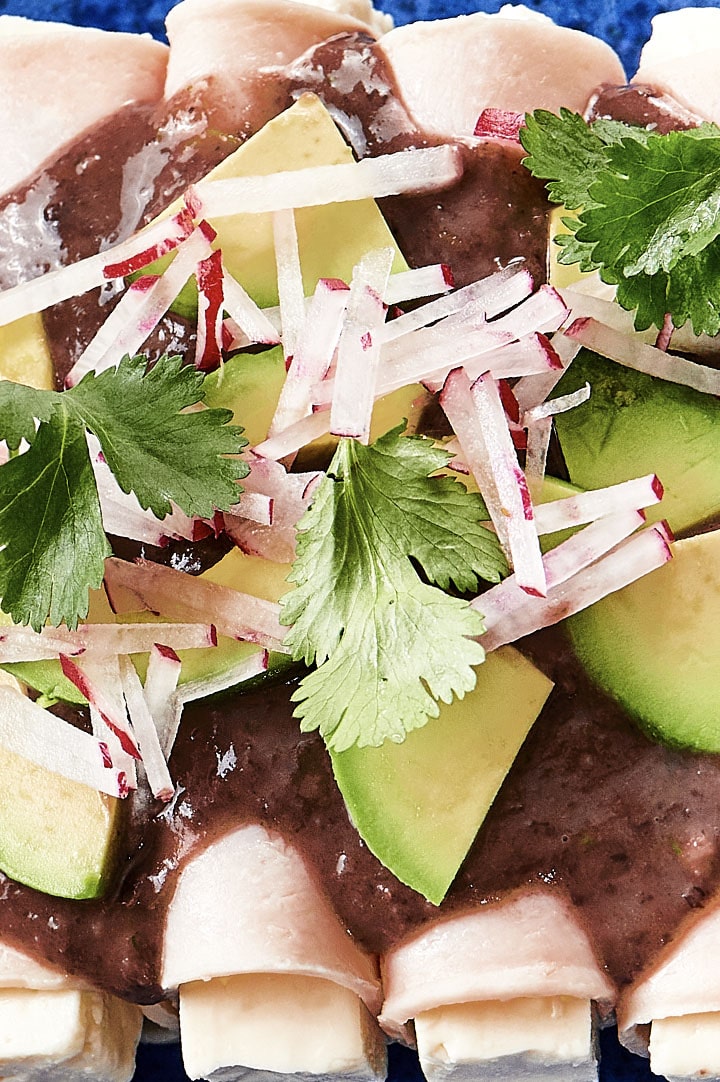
[625, 24]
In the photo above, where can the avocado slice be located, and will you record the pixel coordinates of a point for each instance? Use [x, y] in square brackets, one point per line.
[634, 424]
[25, 354]
[56, 835]
[418, 805]
[655, 645]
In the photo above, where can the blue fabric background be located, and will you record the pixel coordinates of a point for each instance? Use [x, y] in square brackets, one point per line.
[625, 24]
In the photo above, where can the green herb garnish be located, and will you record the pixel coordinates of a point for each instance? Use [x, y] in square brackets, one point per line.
[648, 211]
[387, 644]
[54, 545]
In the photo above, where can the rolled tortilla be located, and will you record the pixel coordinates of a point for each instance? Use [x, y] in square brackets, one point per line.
[672, 1012]
[680, 59]
[50, 1023]
[233, 52]
[516, 60]
[92, 73]
[501, 991]
[268, 949]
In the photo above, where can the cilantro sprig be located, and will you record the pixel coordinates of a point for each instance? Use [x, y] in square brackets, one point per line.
[387, 644]
[54, 545]
[648, 211]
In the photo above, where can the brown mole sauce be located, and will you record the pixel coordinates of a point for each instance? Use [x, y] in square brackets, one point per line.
[628, 829]
[495, 214]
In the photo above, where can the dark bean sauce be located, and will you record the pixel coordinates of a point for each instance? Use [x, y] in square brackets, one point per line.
[627, 829]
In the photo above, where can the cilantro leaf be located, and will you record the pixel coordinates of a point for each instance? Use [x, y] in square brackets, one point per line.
[387, 645]
[54, 545]
[20, 409]
[408, 646]
[649, 212]
[152, 447]
[563, 150]
[53, 541]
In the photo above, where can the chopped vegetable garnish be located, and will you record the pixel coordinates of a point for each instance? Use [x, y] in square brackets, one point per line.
[153, 587]
[387, 644]
[635, 557]
[390, 174]
[54, 542]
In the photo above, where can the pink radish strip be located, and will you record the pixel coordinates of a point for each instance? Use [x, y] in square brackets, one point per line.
[553, 406]
[665, 333]
[317, 341]
[500, 124]
[410, 285]
[23, 644]
[358, 350]
[46, 740]
[291, 293]
[115, 756]
[99, 355]
[289, 441]
[291, 495]
[244, 670]
[256, 507]
[275, 543]
[208, 350]
[531, 357]
[272, 479]
[487, 297]
[631, 560]
[129, 311]
[161, 680]
[516, 504]
[459, 406]
[581, 301]
[431, 352]
[158, 775]
[478, 419]
[78, 278]
[561, 563]
[543, 310]
[438, 349]
[588, 506]
[628, 351]
[290, 492]
[102, 687]
[177, 229]
[424, 170]
[536, 452]
[531, 390]
[123, 516]
[131, 587]
[90, 639]
[233, 338]
[139, 638]
[243, 310]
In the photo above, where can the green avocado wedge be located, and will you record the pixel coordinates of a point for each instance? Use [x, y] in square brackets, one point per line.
[418, 805]
[655, 646]
[332, 238]
[56, 835]
[634, 424]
